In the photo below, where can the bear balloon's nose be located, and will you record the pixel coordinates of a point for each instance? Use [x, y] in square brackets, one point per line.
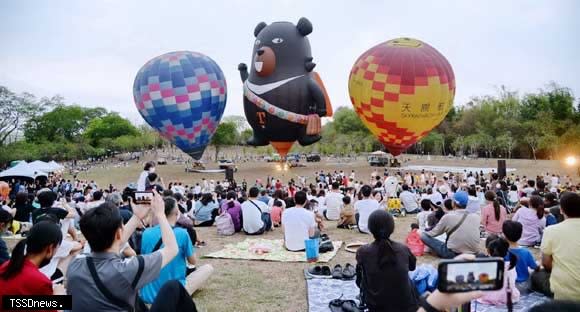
[260, 52]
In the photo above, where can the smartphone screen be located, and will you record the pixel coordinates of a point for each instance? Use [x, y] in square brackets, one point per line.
[143, 198]
[461, 275]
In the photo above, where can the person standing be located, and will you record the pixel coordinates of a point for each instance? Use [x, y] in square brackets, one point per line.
[147, 169]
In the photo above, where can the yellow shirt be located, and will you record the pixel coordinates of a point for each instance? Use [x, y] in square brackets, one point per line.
[562, 241]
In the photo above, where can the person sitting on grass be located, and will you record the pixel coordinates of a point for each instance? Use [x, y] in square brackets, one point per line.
[254, 213]
[103, 281]
[512, 231]
[382, 270]
[232, 206]
[532, 220]
[347, 218]
[461, 228]
[20, 275]
[206, 210]
[499, 247]
[493, 214]
[298, 223]
[364, 208]
[176, 269]
[560, 256]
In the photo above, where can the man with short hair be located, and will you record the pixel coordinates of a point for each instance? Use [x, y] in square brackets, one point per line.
[252, 211]
[409, 200]
[333, 203]
[176, 269]
[560, 256]
[461, 227]
[364, 208]
[299, 224]
[103, 281]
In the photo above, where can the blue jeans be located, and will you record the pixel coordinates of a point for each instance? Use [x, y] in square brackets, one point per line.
[438, 247]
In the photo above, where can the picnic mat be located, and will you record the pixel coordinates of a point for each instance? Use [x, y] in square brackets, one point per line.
[278, 253]
[526, 302]
[322, 290]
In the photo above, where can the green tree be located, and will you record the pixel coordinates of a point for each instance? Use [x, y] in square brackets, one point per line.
[62, 123]
[506, 144]
[225, 134]
[109, 126]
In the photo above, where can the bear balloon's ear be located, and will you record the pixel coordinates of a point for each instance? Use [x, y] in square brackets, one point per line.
[259, 28]
[304, 26]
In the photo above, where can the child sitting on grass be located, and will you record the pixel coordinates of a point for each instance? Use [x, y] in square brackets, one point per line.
[499, 247]
[512, 231]
[346, 214]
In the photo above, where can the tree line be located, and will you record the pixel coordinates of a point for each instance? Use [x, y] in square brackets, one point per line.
[544, 124]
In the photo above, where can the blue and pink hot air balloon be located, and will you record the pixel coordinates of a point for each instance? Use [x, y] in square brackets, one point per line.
[183, 96]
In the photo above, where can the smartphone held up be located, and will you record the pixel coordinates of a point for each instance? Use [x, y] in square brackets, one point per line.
[143, 198]
[469, 275]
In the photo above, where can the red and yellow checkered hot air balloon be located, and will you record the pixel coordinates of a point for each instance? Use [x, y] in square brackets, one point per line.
[401, 89]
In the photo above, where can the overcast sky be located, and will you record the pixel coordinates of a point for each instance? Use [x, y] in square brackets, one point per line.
[90, 51]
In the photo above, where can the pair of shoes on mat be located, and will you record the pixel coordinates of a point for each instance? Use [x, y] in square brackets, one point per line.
[325, 244]
[339, 305]
[320, 271]
[346, 273]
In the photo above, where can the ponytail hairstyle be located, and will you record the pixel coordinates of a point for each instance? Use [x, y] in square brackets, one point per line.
[382, 225]
[40, 236]
[231, 196]
[537, 203]
[499, 247]
[492, 197]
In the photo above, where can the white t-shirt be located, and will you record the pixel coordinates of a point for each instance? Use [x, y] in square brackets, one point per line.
[554, 181]
[297, 221]
[529, 190]
[409, 201]
[252, 217]
[470, 180]
[333, 204]
[142, 181]
[436, 198]
[365, 207]
[321, 202]
[422, 219]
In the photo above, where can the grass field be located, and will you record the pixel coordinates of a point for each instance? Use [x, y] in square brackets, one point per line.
[239, 285]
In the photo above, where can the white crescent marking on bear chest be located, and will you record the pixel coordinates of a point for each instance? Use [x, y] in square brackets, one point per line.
[261, 89]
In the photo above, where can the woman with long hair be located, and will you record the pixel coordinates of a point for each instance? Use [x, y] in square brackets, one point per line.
[493, 214]
[382, 270]
[532, 220]
[499, 247]
[20, 275]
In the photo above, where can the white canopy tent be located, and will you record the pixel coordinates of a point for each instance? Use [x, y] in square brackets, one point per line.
[23, 169]
[46, 167]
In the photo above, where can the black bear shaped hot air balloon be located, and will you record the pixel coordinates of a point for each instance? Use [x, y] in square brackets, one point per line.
[283, 98]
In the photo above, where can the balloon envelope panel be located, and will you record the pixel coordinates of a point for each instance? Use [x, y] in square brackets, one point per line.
[183, 96]
[401, 89]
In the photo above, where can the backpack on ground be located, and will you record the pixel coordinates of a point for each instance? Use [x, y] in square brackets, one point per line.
[225, 224]
[415, 244]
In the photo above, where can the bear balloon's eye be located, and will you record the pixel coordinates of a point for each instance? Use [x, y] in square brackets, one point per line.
[277, 40]
[257, 42]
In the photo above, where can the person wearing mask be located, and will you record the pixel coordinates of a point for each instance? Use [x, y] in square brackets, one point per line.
[20, 275]
[254, 213]
[298, 223]
[206, 210]
[177, 268]
[382, 270]
[532, 220]
[493, 214]
[560, 256]
[103, 281]
[333, 203]
[142, 181]
[233, 207]
[461, 229]
[364, 207]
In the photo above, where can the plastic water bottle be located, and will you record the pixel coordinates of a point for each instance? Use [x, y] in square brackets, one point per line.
[30, 217]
